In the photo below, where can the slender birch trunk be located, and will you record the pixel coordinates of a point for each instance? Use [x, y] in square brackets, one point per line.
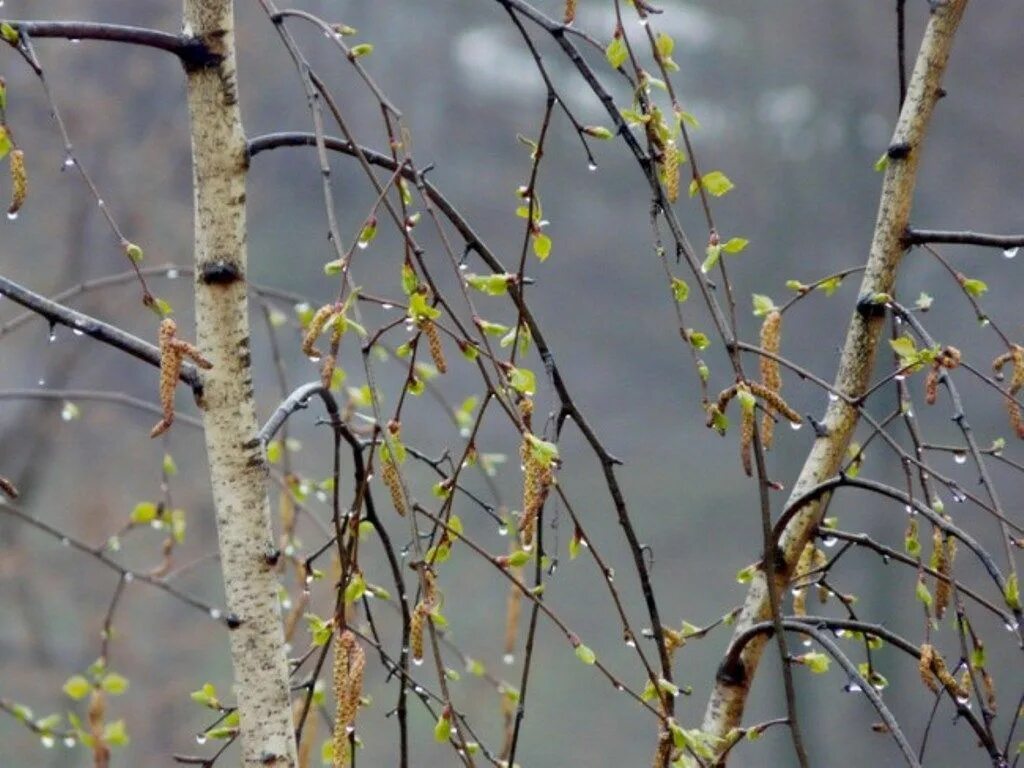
[727, 701]
[238, 469]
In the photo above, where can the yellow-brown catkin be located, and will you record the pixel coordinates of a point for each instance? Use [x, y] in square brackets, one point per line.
[942, 564]
[931, 385]
[19, 182]
[429, 329]
[775, 401]
[771, 377]
[747, 440]
[316, 327]
[570, 11]
[1016, 356]
[349, 664]
[419, 616]
[172, 352]
[924, 667]
[990, 689]
[537, 480]
[671, 168]
[8, 487]
[327, 370]
[389, 474]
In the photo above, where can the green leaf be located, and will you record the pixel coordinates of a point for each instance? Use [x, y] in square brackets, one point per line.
[831, 285]
[492, 285]
[745, 575]
[598, 132]
[168, 467]
[714, 252]
[716, 183]
[541, 246]
[699, 340]
[1012, 592]
[115, 733]
[161, 307]
[680, 290]
[363, 49]
[133, 252]
[409, 280]
[763, 305]
[442, 729]
[6, 145]
[419, 309]
[9, 33]
[735, 244]
[144, 512]
[922, 593]
[319, 629]
[518, 559]
[332, 268]
[522, 380]
[574, 547]
[882, 163]
[356, 588]
[616, 52]
[905, 347]
[207, 696]
[76, 687]
[114, 684]
[274, 451]
[544, 452]
[585, 654]
[974, 287]
[818, 663]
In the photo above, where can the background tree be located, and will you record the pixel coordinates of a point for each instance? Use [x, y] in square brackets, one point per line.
[408, 477]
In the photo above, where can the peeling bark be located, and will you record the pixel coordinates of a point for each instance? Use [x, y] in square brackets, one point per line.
[238, 470]
[728, 699]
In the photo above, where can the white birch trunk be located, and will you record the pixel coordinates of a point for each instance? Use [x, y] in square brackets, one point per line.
[238, 471]
[726, 704]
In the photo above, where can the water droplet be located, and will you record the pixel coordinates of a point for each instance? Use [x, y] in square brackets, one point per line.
[963, 700]
[619, 687]
[418, 662]
[418, 690]
[610, 574]
[1011, 626]
[321, 497]
[76, 40]
[172, 274]
[958, 496]
[200, 738]
[528, 547]
[387, 306]
[852, 688]
[463, 267]
[508, 659]
[899, 377]
[69, 162]
[129, 577]
[642, 21]
[984, 322]
[960, 458]
[65, 541]
[47, 741]
[41, 382]
[1010, 252]
[909, 414]
[829, 541]
[833, 397]
[839, 632]
[584, 542]
[630, 642]
[286, 604]
[69, 741]
[808, 643]
[591, 167]
[215, 613]
[797, 591]
[101, 203]
[12, 215]
[78, 332]
[909, 509]
[795, 425]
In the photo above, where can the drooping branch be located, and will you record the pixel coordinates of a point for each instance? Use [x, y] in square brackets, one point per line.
[728, 699]
[58, 314]
[916, 236]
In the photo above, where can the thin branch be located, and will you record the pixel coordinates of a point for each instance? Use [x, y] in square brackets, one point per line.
[916, 236]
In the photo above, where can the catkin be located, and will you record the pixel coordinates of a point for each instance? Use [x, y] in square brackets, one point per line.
[172, 352]
[747, 440]
[774, 399]
[1016, 356]
[671, 169]
[537, 479]
[570, 11]
[316, 327]
[349, 664]
[389, 474]
[771, 377]
[19, 182]
[429, 329]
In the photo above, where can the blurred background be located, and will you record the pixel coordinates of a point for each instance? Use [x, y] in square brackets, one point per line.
[796, 100]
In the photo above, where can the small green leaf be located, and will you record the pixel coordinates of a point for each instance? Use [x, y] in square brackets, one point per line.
[319, 629]
[115, 733]
[598, 132]
[1012, 592]
[363, 49]
[76, 687]
[168, 467]
[518, 559]
[114, 684]
[745, 575]
[763, 305]
[544, 452]
[974, 287]
[714, 252]
[616, 52]
[882, 162]
[922, 593]
[818, 663]
[356, 588]
[905, 347]
[9, 33]
[207, 696]
[735, 244]
[133, 252]
[442, 729]
[716, 183]
[492, 285]
[680, 290]
[144, 512]
[585, 654]
[6, 145]
[161, 307]
[409, 280]
[420, 310]
[274, 451]
[522, 380]
[699, 340]
[541, 246]
[332, 268]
